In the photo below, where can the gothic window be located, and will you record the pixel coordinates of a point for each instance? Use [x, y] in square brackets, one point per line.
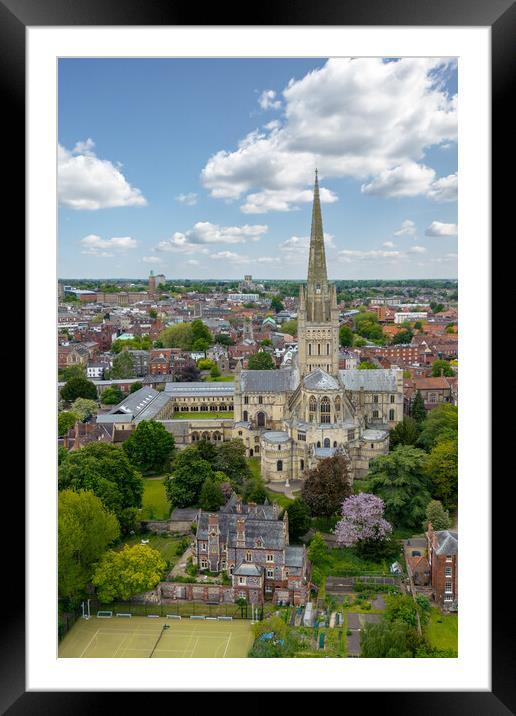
[246, 415]
[269, 558]
[337, 404]
[318, 349]
[391, 414]
[334, 443]
[246, 400]
[318, 443]
[260, 419]
[375, 413]
[248, 557]
[309, 349]
[260, 399]
[279, 466]
[393, 398]
[327, 349]
[375, 398]
[302, 464]
[325, 405]
[326, 442]
[313, 404]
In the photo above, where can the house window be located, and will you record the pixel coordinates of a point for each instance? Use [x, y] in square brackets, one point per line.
[269, 558]
[241, 580]
[302, 437]
[270, 573]
[448, 588]
[248, 557]
[231, 568]
[242, 595]
[203, 546]
[448, 572]
[433, 398]
[449, 558]
[204, 564]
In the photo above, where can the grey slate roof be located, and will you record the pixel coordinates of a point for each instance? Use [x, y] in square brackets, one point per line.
[267, 381]
[248, 569]
[448, 542]
[270, 530]
[320, 380]
[294, 556]
[276, 436]
[373, 435]
[324, 452]
[153, 408]
[201, 389]
[383, 380]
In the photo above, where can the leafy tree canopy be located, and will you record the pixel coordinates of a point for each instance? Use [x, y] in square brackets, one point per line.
[417, 409]
[345, 336]
[405, 433]
[133, 570]
[401, 480]
[261, 361]
[85, 529]
[135, 386]
[211, 496]
[437, 515]
[388, 640]
[78, 388]
[444, 367]
[123, 366]
[298, 519]
[442, 470]
[327, 485]
[150, 446]
[112, 396]
[66, 421]
[441, 423]
[289, 327]
[84, 408]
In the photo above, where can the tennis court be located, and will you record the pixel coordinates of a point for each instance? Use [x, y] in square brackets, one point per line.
[144, 637]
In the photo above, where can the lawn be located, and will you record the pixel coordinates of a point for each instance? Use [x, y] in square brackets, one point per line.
[228, 414]
[165, 545]
[442, 635]
[155, 505]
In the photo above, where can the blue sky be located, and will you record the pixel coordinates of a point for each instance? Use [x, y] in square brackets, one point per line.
[203, 168]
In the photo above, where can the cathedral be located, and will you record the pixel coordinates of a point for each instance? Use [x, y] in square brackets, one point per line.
[295, 416]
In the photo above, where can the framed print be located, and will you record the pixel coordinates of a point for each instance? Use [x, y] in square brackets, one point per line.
[167, 160]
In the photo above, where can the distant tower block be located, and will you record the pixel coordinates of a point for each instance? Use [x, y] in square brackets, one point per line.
[248, 278]
[248, 330]
[197, 309]
[152, 282]
[160, 278]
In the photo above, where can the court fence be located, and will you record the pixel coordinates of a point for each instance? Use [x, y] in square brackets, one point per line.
[67, 615]
[187, 609]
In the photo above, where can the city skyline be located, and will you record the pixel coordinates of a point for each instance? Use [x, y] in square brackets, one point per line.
[203, 169]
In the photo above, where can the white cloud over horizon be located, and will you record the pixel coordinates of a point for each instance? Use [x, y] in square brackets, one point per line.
[204, 232]
[85, 182]
[94, 245]
[438, 228]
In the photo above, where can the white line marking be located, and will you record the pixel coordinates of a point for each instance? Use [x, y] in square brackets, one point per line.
[88, 644]
[225, 650]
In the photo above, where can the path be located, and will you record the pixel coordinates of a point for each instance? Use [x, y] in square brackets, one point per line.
[281, 487]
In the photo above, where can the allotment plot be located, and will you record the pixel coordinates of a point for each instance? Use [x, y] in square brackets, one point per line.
[146, 637]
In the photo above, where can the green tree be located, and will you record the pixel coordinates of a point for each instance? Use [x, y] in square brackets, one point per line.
[367, 365]
[441, 423]
[345, 336]
[276, 304]
[405, 433]
[153, 313]
[358, 341]
[437, 515]
[401, 480]
[442, 469]
[66, 421]
[200, 331]
[215, 372]
[254, 490]
[205, 363]
[223, 339]
[206, 450]
[85, 528]
[289, 327]
[74, 371]
[112, 396]
[403, 608]
[231, 459]
[178, 336]
[298, 519]
[266, 342]
[327, 485]
[200, 344]
[104, 469]
[443, 366]
[211, 497]
[123, 366]
[133, 570]
[388, 640]
[437, 307]
[149, 447]
[450, 328]
[405, 336]
[137, 385]
[78, 388]
[84, 408]
[189, 472]
[417, 409]
[318, 553]
[261, 361]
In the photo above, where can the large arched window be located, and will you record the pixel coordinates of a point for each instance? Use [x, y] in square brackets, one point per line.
[337, 404]
[260, 420]
[326, 442]
[325, 410]
[246, 416]
[312, 404]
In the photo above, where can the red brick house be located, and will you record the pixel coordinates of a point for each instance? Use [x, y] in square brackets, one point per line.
[443, 561]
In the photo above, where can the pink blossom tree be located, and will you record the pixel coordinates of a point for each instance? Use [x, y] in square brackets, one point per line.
[362, 520]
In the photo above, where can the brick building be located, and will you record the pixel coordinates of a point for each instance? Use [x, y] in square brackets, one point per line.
[251, 545]
[443, 561]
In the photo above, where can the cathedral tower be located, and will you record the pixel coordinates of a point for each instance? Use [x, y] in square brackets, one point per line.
[318, 315]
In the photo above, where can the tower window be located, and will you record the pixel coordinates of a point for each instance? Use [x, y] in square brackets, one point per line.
[279, 466]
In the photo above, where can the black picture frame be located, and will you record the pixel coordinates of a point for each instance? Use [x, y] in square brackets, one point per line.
[500, 16]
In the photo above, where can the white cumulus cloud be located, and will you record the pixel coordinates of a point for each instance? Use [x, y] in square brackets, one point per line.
[204, 232]
[408, 228]
[86, 182]
[438, 228]
[267, 100]
[188, 199]
[361, 118]
[97, 246]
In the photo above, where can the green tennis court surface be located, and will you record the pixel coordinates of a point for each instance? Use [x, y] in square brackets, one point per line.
[137, 637]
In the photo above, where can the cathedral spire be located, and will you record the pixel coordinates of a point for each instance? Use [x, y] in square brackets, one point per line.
[317, 259]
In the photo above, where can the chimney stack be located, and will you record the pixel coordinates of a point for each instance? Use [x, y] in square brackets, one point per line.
[240, 525]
